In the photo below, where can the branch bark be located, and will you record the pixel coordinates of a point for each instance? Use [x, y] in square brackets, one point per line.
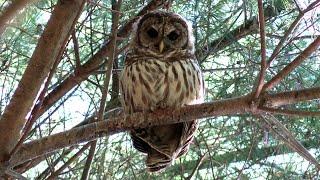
[10, 12]
[263, 63]
[295, 63]
[93, 63]
[247, 28]
[89, 132]
[57, 30]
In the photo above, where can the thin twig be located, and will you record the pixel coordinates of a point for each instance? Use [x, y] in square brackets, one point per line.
[15, 174]
[49, 169]
[73, 158]
[198, 164]
[288, 32]
[263, 67]
[291, 66]
[285, 135]
[76, 49]
[114, 30]
[289, 112]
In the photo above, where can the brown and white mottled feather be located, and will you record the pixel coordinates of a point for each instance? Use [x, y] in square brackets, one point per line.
[153, 79]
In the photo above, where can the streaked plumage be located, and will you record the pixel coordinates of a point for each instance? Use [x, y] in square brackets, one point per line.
[161, 72]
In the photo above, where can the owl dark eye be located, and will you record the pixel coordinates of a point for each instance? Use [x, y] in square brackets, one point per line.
[152, 33]
[173, 36]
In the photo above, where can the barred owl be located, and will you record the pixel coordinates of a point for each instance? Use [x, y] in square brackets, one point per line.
[161, 71]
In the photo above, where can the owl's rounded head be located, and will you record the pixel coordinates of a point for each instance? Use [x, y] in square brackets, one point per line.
[161, 33]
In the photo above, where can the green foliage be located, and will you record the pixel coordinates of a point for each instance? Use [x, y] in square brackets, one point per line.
[225, 147]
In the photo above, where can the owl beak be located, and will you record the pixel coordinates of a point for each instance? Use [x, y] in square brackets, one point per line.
[161, 46]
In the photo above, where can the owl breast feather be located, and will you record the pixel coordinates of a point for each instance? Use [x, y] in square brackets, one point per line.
[150, 84]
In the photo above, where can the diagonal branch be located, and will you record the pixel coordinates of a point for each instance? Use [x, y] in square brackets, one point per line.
[288, 112]
[247, 28]
[65, 165]
[57, 30]
[10, 12]
[290, 29]
[285, 135]
[93, 63]
[290, 67]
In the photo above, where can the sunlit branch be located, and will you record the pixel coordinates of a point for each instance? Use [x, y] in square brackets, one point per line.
[89, 132]
[263, 63]
[291, 66]
[289, 31]
[289, 112]
[11, 11]
[108, 67]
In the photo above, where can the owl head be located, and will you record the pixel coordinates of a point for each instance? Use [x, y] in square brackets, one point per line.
[162, 33]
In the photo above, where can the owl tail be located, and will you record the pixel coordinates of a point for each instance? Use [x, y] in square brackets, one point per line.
[163, 144]
[156, 161]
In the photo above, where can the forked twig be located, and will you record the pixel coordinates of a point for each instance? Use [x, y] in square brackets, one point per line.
[283, 134]
[291, 66]
[290, 29]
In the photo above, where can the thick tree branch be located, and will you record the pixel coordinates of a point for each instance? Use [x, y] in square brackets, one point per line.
[57, 30]
[92, 131]
[93, 63]
[290, 97]
[89, 132]
[10, 12]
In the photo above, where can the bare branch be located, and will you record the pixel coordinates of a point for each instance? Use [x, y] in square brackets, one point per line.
[10, 12]
[57, 30]
[285, 135]
[289, 112]
[295, 63]
[89, 132]
[109, 66]
[263, 67]
[92, 131]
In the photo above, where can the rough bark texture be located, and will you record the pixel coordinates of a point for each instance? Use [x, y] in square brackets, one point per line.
[46, 52]
[10, 11]
[89, 132]
[93, 63]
